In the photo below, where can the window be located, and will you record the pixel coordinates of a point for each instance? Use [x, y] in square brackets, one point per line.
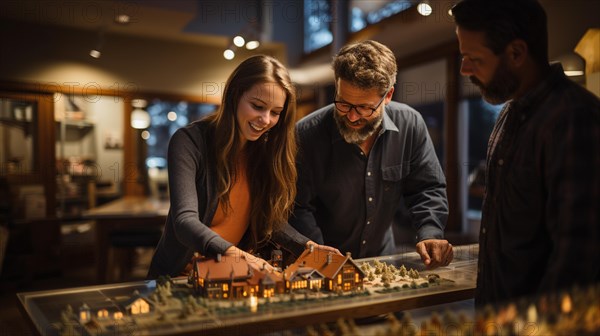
[364, 13]
[481, 117]
[166, 118]
[317, 29]
[422, 88]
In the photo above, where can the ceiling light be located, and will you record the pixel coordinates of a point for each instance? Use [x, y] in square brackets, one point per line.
[239, 41]
[228, 54]
[424, 8]
[140, 118]
[122, 19]
[251, 45]
[95, 53]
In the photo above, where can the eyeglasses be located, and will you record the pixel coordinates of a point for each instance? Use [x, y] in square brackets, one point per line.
[361, 110]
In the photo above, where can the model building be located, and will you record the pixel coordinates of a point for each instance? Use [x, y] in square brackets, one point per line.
[234, 278]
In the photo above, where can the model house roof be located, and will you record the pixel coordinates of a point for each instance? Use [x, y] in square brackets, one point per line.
[223, 268]
[326, 263]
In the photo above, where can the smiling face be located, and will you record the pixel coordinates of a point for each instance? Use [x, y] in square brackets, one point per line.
[259, 109]
[355, 128]
[490, 72]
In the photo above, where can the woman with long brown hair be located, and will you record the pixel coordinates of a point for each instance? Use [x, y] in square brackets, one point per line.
[232, 175]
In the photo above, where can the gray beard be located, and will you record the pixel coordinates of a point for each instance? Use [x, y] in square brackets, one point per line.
[353, 136]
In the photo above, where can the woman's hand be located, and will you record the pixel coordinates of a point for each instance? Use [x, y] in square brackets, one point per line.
[255, 262]
[323, 247]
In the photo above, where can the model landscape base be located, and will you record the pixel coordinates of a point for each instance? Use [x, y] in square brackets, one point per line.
[314, 282]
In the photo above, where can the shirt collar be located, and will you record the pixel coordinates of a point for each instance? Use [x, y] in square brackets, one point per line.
[541, 90]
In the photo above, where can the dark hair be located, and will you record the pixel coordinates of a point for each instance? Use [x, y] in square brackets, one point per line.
[503, 21]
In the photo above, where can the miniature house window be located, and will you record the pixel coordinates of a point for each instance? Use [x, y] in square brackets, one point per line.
[225, 287]
[118, 315]
[102, 313]
[84, 313]
[339, 279]
[356, 278]
[140, 307]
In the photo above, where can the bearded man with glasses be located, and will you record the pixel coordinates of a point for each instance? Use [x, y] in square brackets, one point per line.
[362, 158]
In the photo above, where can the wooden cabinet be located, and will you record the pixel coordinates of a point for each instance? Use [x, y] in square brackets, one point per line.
[27, 156]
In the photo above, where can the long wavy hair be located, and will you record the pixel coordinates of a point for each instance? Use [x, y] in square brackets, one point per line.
[271, 169]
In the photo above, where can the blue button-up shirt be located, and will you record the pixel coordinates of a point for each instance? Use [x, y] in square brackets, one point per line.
[348, 199]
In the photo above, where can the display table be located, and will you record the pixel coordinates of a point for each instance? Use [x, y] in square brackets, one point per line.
[44, 309]
[127, 213]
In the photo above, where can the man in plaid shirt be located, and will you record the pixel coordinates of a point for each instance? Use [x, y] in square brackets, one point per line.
[540, 230]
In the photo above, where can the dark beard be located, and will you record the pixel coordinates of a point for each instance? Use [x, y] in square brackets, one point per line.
[357, 136]
[501, 87]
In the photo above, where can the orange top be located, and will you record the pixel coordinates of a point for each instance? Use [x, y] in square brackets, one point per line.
[232, 225]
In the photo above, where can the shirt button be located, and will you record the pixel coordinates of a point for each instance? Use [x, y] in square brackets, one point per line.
[483, 230]
[370, 199]
[368, 173]
[362, 153]
[501, 162]
[368, 222]
[364, 242]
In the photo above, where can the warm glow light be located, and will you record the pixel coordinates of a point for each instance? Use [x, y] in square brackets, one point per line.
[566, 305]
[239, 41]
[251, 45]
[228, 54]
[172, 116]
[253, 303]
[572, 73]
[95, 53]
[424, 9]
[122, 18]
[140, 119]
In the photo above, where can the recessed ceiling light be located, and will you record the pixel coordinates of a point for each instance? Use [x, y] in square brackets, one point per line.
[122, 19]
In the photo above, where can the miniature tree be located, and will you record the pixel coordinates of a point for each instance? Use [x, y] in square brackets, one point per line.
[310, 331]
[371, 276]
[386, 283]
[342, 328]
[402, 271]
[192, 303]
[66, 318]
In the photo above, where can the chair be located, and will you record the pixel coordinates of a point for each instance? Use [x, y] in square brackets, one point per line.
[123, 251]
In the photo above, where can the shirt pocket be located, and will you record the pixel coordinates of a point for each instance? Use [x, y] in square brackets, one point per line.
[392, 181]
[394, 173]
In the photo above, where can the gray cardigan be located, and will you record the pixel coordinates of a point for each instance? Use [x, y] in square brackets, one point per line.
[193, 197]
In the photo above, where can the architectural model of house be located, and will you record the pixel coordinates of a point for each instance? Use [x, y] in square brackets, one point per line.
[318, 269]
[315, 269]
[233, 278]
